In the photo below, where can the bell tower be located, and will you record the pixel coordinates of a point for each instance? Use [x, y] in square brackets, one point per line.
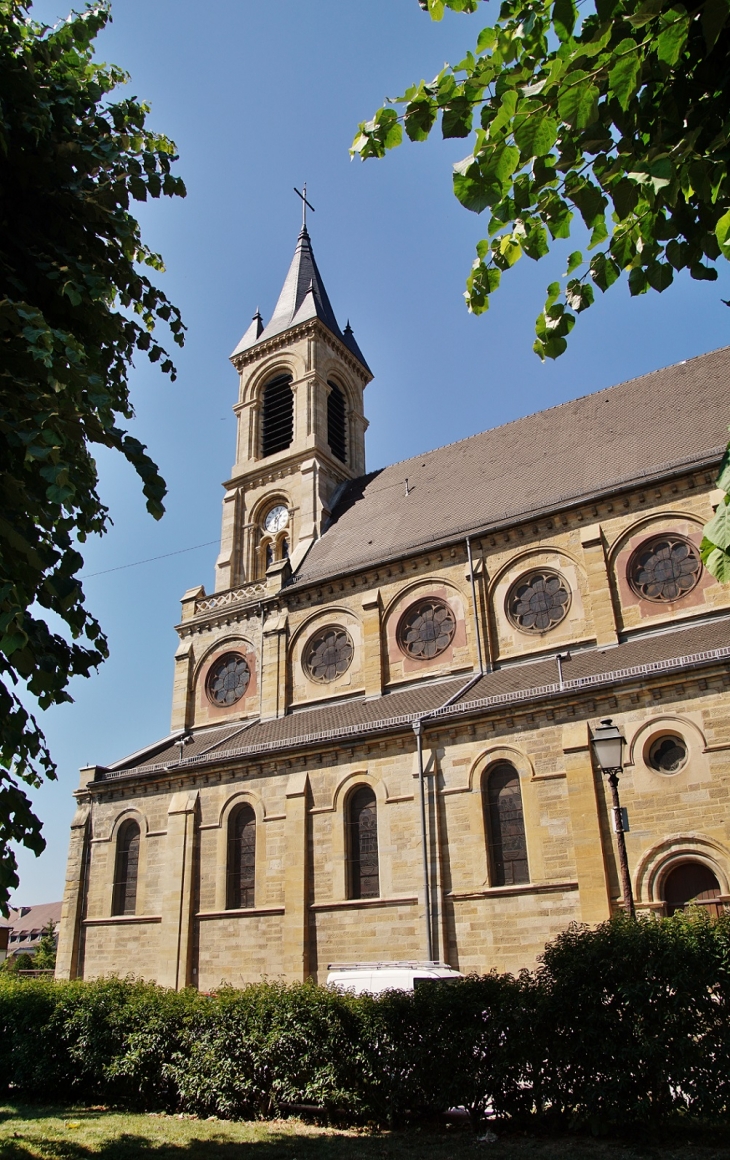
[301, 428]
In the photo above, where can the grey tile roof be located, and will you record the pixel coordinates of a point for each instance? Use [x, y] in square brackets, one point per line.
[22, 920]
[303, 296]
[682, 647]
[642, 428]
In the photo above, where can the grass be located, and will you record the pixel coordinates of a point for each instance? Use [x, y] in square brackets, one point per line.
[34, 1133]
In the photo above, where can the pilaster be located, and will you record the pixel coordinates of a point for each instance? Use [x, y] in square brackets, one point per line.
[296, 880]
[72, 910]
[273, 667]
[583, 805]
[372, 643]
[178, 892]
[594, 555]
[181, 686]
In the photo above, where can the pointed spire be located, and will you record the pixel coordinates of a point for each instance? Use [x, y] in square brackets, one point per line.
[351, 343]
[302, 298]
[252, 335]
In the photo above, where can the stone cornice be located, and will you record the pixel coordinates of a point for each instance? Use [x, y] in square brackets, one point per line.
[294, 334]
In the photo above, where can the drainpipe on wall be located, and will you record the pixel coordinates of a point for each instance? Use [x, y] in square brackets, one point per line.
[418, 730]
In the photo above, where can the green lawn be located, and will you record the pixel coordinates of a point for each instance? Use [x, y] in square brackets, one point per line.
[33, 1133]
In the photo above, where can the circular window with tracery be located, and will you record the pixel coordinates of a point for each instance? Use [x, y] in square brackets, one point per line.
[539, 601]
[427, 629]
[665, 569]
[668, 754]
[228, 679]
[328, 654]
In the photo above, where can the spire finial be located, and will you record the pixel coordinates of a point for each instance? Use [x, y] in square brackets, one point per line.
[305, 203]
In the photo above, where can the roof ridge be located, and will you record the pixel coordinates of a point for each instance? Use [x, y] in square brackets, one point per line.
[555, 407]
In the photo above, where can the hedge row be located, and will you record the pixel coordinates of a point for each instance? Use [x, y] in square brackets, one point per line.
[624, 1024]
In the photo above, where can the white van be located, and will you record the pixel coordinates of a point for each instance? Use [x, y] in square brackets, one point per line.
[374, 978]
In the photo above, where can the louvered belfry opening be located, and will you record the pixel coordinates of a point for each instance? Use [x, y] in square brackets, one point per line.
[362, 845]
[278, 415]
[126, 867]
[336, 429]
[506, 827]
[241, 859]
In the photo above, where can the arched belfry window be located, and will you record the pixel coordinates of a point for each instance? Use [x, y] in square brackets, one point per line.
[362, 844]
[126, 867]
[336, 427]
[505, 826]
[278, 415]
[241, 859]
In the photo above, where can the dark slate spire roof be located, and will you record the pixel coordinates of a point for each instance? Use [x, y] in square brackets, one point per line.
[302, 297]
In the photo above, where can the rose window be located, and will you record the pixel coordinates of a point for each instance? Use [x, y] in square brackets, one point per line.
[668, 754]
[228, 679]
[538, 602]
[665, 569]
[329, 654]
[427, 630]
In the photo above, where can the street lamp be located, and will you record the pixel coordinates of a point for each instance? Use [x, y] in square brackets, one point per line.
[608, 745]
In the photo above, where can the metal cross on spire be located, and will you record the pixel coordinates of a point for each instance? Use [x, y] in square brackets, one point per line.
[305, 203]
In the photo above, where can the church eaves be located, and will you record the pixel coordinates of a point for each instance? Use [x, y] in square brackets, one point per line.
[303, 297]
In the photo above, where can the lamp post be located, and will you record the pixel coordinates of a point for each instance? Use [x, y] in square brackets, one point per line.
[608, 745]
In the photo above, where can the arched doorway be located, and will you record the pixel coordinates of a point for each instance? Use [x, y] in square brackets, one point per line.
[692, 883]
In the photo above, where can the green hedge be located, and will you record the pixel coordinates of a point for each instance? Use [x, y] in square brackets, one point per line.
[625, 1024]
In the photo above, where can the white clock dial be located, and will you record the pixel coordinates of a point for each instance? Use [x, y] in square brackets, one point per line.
[277, 519]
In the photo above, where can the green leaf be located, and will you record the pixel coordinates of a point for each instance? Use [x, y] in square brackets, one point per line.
[623, 77]
[510, 249]
[638, 282]
[419, 117]
[578, 100]
[722, 233]
[564, 17]
[574, 261]
[718, 529]
[505, 112]
[715, 14]
[660, 275]
[717, 564]
[579, 295]
[723, 479]
[487, 39]
[671, 41]
[482, 281]
[535, 133]
[604, 271]
[456, 118]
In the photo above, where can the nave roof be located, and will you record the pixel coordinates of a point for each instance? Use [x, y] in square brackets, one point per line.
[635, 432]
[684, 648]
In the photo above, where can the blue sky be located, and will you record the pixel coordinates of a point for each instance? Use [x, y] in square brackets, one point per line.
[260, 96]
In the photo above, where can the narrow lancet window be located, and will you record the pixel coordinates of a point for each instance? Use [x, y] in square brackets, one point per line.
[278, 415]
[362, 826]
[241, 859]
[126, 866]
[506, 827]
[336, 429]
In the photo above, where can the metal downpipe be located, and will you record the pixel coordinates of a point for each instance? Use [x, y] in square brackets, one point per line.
[418, 730]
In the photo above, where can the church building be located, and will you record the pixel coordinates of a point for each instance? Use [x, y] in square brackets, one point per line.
[380, 745]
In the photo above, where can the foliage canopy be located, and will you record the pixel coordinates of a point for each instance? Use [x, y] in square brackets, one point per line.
[611, 113]
[76, 305]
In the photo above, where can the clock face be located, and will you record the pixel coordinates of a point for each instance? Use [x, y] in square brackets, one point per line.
[277, 519]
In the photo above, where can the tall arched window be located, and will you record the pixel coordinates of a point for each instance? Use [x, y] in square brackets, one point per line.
[506, 826]
[336, 429]
[278, 415]
[241, 859]
[692, 884]
[126, 866]
[362, 844]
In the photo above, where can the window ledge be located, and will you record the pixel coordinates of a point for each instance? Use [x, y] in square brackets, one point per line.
[121, 919]
[365, 903]
[243, 912]
[523, 888]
